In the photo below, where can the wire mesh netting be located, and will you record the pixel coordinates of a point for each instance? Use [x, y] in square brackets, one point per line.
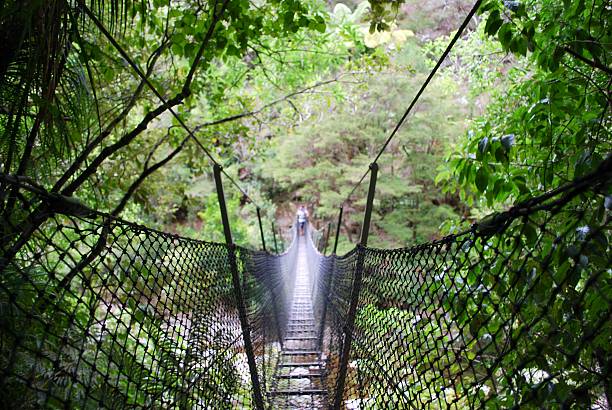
[101, 313]
[513, 313]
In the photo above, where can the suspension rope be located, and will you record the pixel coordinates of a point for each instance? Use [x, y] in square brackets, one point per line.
[184, 92]
[433, 72]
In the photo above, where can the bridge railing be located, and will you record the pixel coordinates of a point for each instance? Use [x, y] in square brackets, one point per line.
[98, 312]
[284, 280]
[513, 313]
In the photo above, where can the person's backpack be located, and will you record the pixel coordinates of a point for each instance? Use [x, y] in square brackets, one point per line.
[301, 215]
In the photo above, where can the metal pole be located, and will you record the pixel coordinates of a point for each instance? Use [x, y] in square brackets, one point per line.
[365, 230]
[338, 230]
[263, 240]
[274, 235]
[327, 238]
[246, 328]
[356, 288]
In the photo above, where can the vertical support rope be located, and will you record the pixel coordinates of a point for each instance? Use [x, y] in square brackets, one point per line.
[338, 230]
[274, 236]
[356, 288]
[246, 328]
[261, 232]
[326, 238]
[365, 230]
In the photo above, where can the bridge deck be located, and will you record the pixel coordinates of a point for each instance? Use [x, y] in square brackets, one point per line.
[299, 378]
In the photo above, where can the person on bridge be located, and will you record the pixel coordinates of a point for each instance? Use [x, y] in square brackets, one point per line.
[302, 218]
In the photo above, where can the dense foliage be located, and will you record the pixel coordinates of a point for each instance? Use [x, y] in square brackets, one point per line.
[549, 122]
[92, 127]
[294, 98]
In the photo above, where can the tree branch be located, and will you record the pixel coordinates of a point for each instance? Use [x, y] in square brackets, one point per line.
[592, 63]
[145, 173]
[111, 126]
[272, 103]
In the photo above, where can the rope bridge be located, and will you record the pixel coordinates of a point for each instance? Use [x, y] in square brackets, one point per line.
[98, 312]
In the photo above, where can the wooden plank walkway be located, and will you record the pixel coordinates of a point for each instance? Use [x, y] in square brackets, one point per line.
[299, 380]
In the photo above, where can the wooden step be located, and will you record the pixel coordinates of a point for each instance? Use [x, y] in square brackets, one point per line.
[295, 392]
[299, 352]
[298, 338]
[299, 376]
[305, 364]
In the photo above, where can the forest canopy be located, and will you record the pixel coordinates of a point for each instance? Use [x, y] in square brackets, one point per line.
[293, 98]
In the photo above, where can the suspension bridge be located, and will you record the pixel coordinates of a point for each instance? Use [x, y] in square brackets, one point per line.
[99, 312]
[102, 313]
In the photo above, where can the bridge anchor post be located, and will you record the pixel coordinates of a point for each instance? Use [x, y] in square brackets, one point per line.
[356, 288]
[242, 313]
[261, 232]
[338, 230]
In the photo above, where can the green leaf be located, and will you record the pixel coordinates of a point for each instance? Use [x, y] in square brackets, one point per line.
[501, 155]
[190, 50]
[530, 233]
[482, 179]
[519, 45]
[179, 39]
[498, 187]
[555, 59]
[288, 19]
[505, 35]
[494, 22]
